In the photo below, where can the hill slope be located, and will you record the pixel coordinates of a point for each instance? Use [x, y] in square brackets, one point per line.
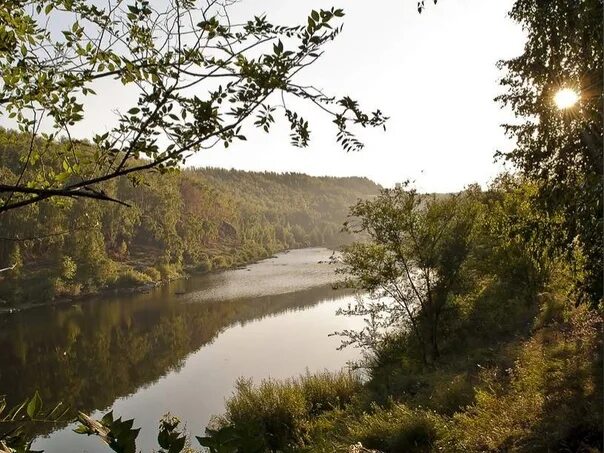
[201, 219]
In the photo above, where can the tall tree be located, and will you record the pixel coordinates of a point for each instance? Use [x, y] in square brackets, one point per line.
[560, 147]
[410, 264]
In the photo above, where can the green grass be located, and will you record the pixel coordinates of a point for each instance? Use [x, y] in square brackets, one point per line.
[276, 415]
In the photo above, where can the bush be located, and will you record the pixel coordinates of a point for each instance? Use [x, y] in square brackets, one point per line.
[327, 391]
[39, 289]
[66, 288]
[274, 411]
[549, 401]
[129, 278]
[152, 273]
[68, 268]
[220, 262]
[397, 429]
[169, 271]
[204, 265]
[276, 415]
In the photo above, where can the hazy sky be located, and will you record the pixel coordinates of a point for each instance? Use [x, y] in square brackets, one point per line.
[434, 74]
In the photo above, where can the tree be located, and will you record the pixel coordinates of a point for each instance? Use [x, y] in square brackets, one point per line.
[561, 150]
[198, 78]
[409, 265]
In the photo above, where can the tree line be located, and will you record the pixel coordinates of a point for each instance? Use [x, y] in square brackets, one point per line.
[483, 309]
[194, 219]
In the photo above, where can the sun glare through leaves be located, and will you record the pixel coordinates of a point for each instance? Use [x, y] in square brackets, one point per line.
[566, 98]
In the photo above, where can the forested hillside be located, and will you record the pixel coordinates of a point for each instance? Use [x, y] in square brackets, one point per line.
[198, 219]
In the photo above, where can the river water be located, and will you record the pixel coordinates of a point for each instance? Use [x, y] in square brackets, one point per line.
[177, 349]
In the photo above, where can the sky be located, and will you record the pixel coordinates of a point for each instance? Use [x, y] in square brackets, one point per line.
[433, 74]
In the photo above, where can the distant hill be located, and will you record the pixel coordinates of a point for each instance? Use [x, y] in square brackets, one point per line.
[199, 218]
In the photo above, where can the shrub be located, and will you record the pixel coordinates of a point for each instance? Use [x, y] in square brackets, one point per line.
[40, 289]
[68, 268]
[129, 277]
[66, 288]
[204, 265]
[221, 262]
[328, 391]
[552, 401]
[152, 273]
[275, 411]
[276, 415]
[122, 250]
[397, 429]
[169, 271]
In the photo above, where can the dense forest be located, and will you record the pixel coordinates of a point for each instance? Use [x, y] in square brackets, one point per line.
[483, 309]
[194, 219]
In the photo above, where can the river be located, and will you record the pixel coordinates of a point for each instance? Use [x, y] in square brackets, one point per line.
[178, 349]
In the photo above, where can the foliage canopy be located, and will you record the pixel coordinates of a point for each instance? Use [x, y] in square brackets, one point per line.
[561, 149]
[198, 77]
[410, 264]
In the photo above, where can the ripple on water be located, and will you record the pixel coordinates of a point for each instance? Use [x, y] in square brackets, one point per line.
[287, 272]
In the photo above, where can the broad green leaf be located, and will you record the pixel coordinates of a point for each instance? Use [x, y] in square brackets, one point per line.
[34, 406]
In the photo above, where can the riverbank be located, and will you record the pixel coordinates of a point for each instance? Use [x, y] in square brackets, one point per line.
[195, 220]
[131, 282]
[136, 283]
[500, 352]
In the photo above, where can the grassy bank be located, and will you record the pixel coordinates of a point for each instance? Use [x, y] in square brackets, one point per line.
[41, 290]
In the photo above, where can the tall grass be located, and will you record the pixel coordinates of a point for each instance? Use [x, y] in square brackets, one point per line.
[276, 415]
[397, 428]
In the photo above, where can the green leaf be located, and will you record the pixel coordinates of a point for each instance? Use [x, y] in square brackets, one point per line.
[81, 430]
[62, 176]
[34, 405]
[107, 418]
[177, 445]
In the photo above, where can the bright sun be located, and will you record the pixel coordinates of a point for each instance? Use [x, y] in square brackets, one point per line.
[566, 98]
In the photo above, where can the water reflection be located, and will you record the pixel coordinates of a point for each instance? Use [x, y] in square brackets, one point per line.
[179, 348]
[90, 354]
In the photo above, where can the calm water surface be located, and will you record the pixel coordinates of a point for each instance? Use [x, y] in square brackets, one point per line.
[178, 349]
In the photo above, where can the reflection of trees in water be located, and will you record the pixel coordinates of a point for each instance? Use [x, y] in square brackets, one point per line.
[89, 355]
